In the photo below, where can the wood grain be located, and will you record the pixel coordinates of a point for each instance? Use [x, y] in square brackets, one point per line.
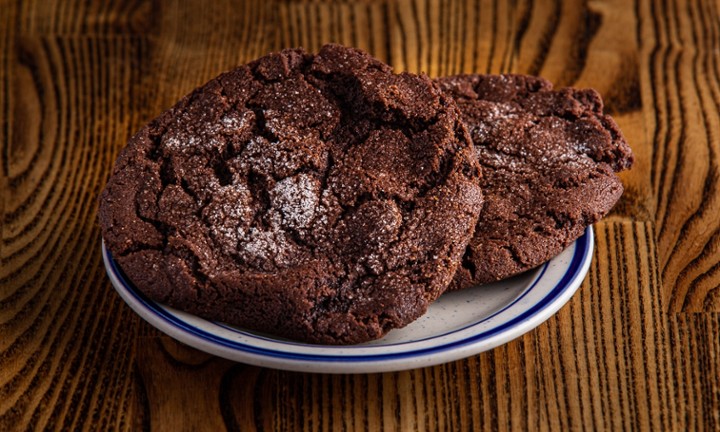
[637, 348]
[77, 17]
[359, 24]
[682, 84]
[180, 60]
[447, 37]
[66, 350]
[697, 388]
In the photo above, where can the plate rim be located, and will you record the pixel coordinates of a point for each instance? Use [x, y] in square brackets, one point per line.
[163, 318]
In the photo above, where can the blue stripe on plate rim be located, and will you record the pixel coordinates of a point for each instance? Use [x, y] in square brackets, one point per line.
[541, 271]
[580, 259]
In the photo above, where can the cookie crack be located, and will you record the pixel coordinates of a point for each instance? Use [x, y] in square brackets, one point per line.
[261, 123]
[192, 262]
[135, 248]
[514, 255]
[468, 263]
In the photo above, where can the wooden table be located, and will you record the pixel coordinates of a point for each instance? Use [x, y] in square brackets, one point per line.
[638, 347]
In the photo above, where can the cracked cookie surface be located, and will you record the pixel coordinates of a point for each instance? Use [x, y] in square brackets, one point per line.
[319, 197]
[549, 159]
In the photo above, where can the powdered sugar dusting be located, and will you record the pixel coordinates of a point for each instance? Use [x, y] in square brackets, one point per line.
[267, 246]
[284, 157]
[172, 143]
[493, 114]
[234, 122]
[229, 214]
[274, 123]
[183, 141]
[296, 199]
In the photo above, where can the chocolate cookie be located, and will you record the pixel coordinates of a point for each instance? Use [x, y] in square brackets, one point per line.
[320, 197]
[549, 159]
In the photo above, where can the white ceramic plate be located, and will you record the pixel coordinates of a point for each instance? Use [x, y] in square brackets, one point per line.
[457, 325]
